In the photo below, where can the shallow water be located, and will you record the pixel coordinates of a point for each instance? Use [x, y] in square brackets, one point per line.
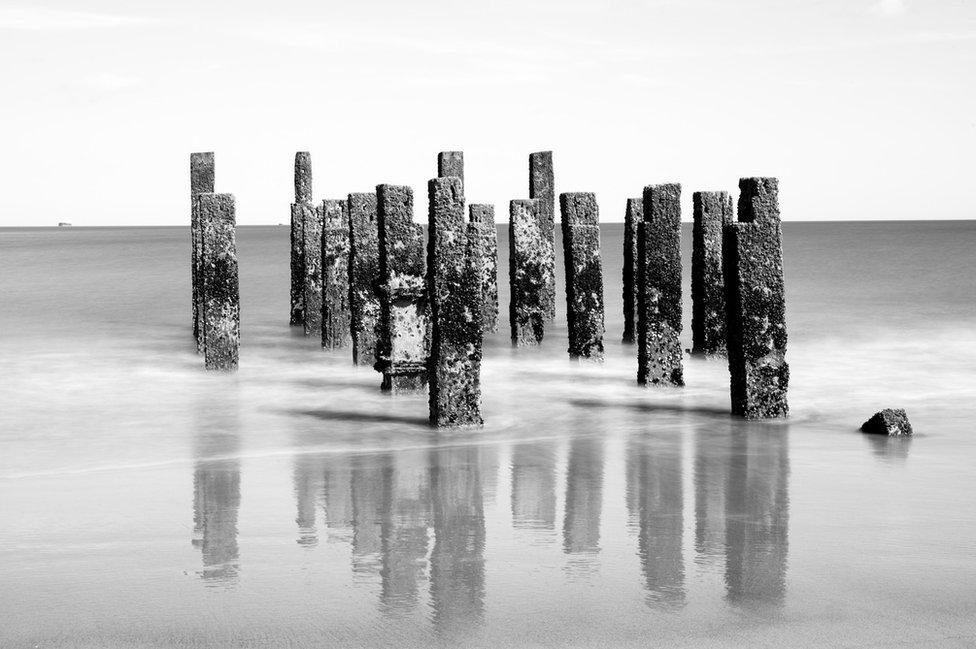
[147, 503]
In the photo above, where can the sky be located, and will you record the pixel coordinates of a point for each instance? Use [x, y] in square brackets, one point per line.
[864, 109]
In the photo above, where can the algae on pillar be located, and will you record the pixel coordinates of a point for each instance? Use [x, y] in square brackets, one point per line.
[312, 254]
[455, 301]
[483, 238]
[712, 212]
[530, 272]
[756, 303]
[403, 341]
[659, 287]
[364, 273]
[335, 275]
[219, 282]
[299, 214]
[542, 186]
[584, 274]
[633, 216]
[201, 182]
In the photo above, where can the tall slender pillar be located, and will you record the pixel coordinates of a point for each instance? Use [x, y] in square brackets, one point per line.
[219, 281]
[633, 216]
[312, 254]
[542, 186]
[364, 273]
[299, 215]
[455, 298]
[336, 333]
[756, 303]
[659, 287]
[712, 212]
[530, 271]
[403, 343]
[584, 274]
[483, 238]
[201, 182]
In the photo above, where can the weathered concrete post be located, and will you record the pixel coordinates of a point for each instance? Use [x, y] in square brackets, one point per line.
[403, 341]
[336, 331]
[483, 239]
[633, 216]
[451, 163]
[364, 274]
[299, 215]
[756, 303]
[455, 299]
[530, 272]
[201, 182]
[312, 285]
[584, 274]
[542, 186]
[659, 287]
[712, 212]
[219, 283]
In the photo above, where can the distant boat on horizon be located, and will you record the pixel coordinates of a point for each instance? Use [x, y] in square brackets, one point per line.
[64, 224]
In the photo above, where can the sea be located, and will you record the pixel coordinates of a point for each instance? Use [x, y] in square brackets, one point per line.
[147, 502]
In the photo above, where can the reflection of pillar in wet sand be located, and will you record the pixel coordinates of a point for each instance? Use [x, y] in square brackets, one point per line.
[364, 272]
[368, 473]
[633, 216]
[299, 214]
[543, 188]
[406, 498]
[712, 458]
[403, 342]
[534, 485]
[655, 480]
[337, 492]
[219, 285]
[335, 274]
[659, 287]
[757, 518]
[457, 571]
[216, 501]
[756, 303]
[308, 478]
[584, 496]
[201, 182]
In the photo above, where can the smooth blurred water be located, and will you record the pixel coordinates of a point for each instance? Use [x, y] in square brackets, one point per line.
[148, 503]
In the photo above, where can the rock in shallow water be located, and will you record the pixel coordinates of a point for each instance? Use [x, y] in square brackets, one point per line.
[890, 421]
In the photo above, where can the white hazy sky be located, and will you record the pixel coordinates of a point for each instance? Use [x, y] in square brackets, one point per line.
[865, 109]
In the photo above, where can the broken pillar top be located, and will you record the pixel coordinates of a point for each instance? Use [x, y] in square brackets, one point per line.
[483, 214]
[579, 208]
[398, 232]
[635, 210]
[707, 205]
[450, 163]
[540, 175]
[334, 213]
[662, 203]
[758, 200]
[201, 172]
[303, 177]
[363, 202]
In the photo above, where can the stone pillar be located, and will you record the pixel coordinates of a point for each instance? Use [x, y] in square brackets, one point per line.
[336, 331]
[756, 303]
[584, 274]
[659, 287]
[712, 212]
[530, 272]
[633, 216]
[219, 283]
[403, 341]
[542, 186]
[312, 279]
[451, 163]
[483, 238]
[299, 209]
[364, 273]
[455, 301]
[201, 182]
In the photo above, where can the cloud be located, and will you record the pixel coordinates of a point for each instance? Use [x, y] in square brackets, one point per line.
[108, 82]
[890, 7]
[42, 19]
